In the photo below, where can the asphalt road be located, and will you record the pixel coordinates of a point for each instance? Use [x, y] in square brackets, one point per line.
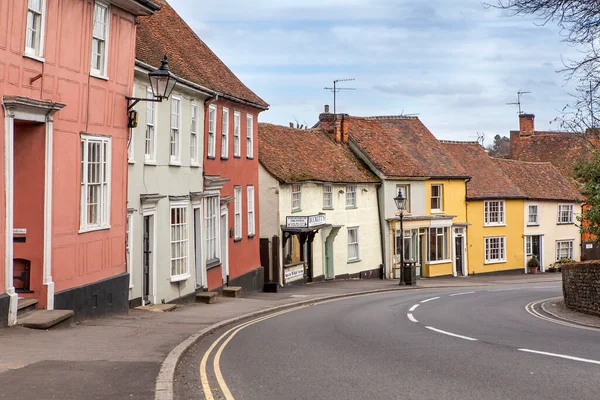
[456, 344]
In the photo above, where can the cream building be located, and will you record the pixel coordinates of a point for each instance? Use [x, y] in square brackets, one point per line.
[166, 202]
[551, 230]
[318, 208]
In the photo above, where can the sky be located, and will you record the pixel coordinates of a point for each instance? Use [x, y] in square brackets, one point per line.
[454, 63]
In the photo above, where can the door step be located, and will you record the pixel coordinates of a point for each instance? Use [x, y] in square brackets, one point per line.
[25, 306]
[45, 319]
[232, 291]
[158, 307]
[206, 297]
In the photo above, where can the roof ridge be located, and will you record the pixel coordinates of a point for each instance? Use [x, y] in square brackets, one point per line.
[457, 141]
[384, 117]
[521, 161]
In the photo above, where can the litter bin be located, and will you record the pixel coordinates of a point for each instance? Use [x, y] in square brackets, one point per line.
[410, 273]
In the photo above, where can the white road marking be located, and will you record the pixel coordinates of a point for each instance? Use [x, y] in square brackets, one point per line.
[504, 290]
[460, 294]
[450, 333]
[433, 298]
[585, 360]
[413, 308]
[410, 316]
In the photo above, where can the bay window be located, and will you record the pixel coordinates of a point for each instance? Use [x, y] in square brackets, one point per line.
[438, 244]
[179, 241]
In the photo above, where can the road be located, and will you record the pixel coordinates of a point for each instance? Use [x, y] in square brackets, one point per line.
[479, 343]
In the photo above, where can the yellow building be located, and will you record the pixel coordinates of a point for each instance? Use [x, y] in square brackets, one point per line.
[494, 211]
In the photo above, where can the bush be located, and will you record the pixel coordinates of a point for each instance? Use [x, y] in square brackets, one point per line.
[533, 262]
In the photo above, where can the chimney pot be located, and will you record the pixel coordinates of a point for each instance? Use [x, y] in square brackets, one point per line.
[326, 108]
[291, 124]
[526, 124]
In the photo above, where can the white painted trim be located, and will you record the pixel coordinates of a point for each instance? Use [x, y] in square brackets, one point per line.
[103, 209]
[201, 281]
[130, 237]
[184, 205]
[224, 263]
[503, 223]
[93, 72]
[237, 234]
[195, 161]
[236, 114]
[47, 266]
[175, 160]
[29, 52]
[250, 150]
[9, 200]
[499, 261]
[225, 134]
[211, 149]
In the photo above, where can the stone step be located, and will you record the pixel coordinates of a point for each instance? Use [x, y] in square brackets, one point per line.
[25, 306]
[232, 291]
[207, 297]
[158, 307]
[45, 319]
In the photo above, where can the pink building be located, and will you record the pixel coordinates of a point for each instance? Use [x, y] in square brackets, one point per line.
[66, 67]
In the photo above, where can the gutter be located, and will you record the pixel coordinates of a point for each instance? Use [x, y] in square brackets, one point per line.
[149, 4]
[204, 88]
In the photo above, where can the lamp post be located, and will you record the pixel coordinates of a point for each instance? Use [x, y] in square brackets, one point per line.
[400, 201]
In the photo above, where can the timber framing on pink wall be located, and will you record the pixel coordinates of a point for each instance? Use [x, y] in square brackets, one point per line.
[64, 145]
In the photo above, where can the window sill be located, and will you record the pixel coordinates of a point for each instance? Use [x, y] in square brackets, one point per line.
[94, 229]
[297, 210]
[249, 158]
[224, 158]
[180, 278]
[237, 156]
[150, 162]
[532, 224]
[174, 164]
[213, 264]
[98, 76]
[131, 161]
[437, 211]
[239, 239]
[131, 286]
[211, 157]
[495, 262]
[565, 223]
[34, 57]
[328, 208]
[354, 261]
[351, 207]
[438, 262]
[194, 165]
[251, 236]
[492, 225]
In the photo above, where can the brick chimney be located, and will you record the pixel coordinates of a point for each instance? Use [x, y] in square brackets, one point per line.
[338, 129]
[341, 128]
[526, 125]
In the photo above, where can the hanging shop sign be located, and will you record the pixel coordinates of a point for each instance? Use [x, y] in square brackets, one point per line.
[305, 222]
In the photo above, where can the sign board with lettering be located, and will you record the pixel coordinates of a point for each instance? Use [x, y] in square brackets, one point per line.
[316, 220]
[589, 246]
[296, 222]
[293, 273]
[20, 231]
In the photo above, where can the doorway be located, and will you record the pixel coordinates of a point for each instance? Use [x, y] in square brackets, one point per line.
[148, 259]
[459, 255]
[536, 249]
[198, 248]
[224, 246]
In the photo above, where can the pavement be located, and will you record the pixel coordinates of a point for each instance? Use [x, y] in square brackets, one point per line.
[119, 357]
[443, 343]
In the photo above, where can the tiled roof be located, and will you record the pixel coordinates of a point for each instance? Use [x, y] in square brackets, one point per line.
[298, 155]
[539, 180]
[399, 146]
[562, 149]
[487, 181]
[190, 58]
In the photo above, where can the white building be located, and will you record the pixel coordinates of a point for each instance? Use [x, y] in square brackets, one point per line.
[551, 228]
[318, 207]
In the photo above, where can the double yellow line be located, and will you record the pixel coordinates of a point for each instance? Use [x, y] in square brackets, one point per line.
[226, 393]
[530, 308]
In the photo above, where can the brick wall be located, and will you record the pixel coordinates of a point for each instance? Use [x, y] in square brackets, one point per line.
[581, 287]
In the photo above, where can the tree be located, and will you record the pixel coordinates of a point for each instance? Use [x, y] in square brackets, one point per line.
[587, 174]
[500, 147]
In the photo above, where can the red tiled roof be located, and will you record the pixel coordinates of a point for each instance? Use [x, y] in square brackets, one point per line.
[562, 149]
[487, 181]
[399, 146]
[297, 155]
[190, 58]
[539, 180]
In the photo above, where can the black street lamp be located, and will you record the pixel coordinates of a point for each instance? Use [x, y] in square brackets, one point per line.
[401, 206]
[162, 82]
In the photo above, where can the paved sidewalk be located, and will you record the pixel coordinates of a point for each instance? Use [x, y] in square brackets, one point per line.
[119, 357]
[557, 308]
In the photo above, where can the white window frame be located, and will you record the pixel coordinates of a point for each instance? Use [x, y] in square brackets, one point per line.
[445, 233]
[175, 132]
[104, 185]
[150, 133]
[528, 245]
[249, 136]
[296, 197]
[351, 200]
[212, 131]
[487, 213]
[212, 239]
[181, 238]
[194, 112]
[569, 213]
[129, 246]
[327, 196]
[103, 72]
[405, 189]
[250, 200]
[237, 215]
[569, 246]
[354, 244]
[535, 214]
[237, 145]
[487, 241]
[225, 133]
[37, 51]
[439, 198]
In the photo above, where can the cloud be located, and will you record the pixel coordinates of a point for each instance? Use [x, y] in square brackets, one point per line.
[440, 88]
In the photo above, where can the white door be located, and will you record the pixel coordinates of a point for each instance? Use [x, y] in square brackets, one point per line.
[224, 245]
